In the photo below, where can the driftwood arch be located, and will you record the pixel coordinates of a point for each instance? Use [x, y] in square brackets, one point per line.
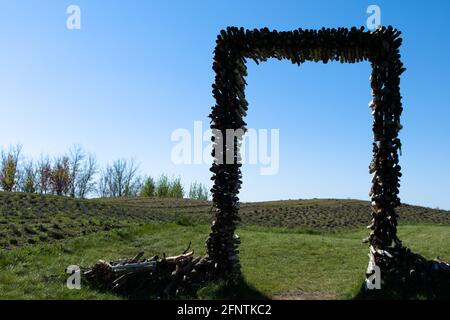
[233, 47]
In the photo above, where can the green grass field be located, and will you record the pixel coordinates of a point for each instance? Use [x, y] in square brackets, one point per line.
[296, 260]
[278, 263]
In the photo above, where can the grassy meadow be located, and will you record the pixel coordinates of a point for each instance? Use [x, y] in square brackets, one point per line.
[297, 254]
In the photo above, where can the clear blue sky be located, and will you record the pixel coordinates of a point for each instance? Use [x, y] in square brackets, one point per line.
[137, 70]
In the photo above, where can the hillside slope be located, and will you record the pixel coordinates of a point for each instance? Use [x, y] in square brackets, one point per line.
[31, 218]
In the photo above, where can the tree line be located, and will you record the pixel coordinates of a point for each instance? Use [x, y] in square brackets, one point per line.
[78, 175]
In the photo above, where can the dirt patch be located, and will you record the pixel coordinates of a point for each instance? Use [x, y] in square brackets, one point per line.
[301, 295]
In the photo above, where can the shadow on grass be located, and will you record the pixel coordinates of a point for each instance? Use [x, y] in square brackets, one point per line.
[236, 289]
[401, 291]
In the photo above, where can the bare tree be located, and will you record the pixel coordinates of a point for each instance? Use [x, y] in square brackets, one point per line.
[76, 157]
[117, 177]
[120, 180]
[44, 175]
[133, 182]
[103, 185]
[85, 182]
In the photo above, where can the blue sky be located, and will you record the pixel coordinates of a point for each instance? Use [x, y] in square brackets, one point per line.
[138, 70]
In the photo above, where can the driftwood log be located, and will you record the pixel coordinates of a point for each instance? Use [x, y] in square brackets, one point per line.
[153, 277]
[407, 274]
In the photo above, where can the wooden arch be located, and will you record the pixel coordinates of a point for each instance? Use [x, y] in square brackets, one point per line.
[233, 47]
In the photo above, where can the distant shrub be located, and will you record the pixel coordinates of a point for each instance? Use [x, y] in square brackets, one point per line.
[29, 182]
[176, 189]
[165, 188]
[60, 176]
[198, 191]
[9, 169]
[162, 186]
[148, 189]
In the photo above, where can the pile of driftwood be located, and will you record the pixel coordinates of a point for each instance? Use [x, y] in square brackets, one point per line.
[159, 277]
[408, 274]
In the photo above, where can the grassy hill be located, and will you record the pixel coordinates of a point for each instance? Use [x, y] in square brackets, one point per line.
[296, 249]
[32, 218]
